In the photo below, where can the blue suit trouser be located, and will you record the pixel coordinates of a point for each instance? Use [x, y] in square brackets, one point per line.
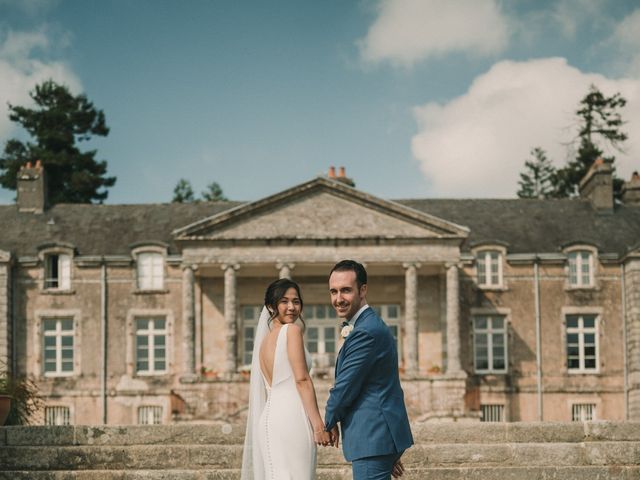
[374, 468]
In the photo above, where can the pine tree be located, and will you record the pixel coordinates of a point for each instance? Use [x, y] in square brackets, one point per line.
[183, 192]
[539, 177]
[213, 193]
[599, 121]
[58, 123]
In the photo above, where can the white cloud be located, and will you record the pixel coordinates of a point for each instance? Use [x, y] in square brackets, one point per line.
[21, 71]
[627, 38]
[476, 144]
[407, 31]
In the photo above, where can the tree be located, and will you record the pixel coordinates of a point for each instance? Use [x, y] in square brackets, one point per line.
[57, 124]
[213, 193]
[539, 177]
[599, 121]
[183, 192]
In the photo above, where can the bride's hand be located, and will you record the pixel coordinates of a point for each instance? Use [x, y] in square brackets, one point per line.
[322, 438]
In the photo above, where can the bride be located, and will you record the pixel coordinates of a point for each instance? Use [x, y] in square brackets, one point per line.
[284, 424]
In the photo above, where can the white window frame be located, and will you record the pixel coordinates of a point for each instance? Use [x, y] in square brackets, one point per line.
[134, 313]
[482, 256]
[250, 315]
[575, 257]
[57, 415]
[490, 331]
[58, 335]
[580, 330]
[155, 412]
[150, 271]
[62, 255]
[38, 340]
[150, 332]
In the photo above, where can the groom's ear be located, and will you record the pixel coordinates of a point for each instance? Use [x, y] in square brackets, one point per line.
[363, 290]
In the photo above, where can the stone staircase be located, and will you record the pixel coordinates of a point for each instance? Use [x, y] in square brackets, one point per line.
[443, 451]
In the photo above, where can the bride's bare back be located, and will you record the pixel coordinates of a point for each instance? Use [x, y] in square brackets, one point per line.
[268, 353]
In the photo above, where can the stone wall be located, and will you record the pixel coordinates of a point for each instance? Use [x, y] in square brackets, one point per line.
[632, 296]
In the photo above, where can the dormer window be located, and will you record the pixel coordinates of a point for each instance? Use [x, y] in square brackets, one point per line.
[150, 271]
[580, 268]
[57, 271]
[489, 268]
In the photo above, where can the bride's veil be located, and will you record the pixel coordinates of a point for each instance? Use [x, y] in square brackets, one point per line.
[252, 464]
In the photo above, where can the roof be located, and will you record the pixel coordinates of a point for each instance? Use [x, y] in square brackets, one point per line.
[100, 229]
[538, 226]
[525, 226]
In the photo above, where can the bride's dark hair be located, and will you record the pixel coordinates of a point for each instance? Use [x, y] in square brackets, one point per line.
[276, 291]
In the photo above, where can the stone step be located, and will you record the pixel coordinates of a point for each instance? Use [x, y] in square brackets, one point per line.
[199, 457]
[232, 434]
[475, 473]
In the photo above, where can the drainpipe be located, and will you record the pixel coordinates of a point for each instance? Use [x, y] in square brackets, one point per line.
[536, 274]
[13, 269]
[103, 330]
[625, 347]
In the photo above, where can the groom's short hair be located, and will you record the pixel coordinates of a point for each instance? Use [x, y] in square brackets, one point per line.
[351, 265]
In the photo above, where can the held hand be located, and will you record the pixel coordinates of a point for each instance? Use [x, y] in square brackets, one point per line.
[335, 436]
[322, 438]
[398, 469]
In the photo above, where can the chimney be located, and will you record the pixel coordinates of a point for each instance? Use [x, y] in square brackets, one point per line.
[332, 172]
[342, 176]
[631, 191]
[597, 185]
[31, 188]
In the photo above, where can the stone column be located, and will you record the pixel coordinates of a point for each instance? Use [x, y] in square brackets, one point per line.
[230, 314]
[188, 321]
[411, 319]
[632, 309]
[285, 269]
[453, 320]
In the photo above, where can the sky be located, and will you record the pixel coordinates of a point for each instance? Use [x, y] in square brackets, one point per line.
[415, 98]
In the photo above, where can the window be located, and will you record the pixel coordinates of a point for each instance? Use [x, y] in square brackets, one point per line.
[250, 316]
[321, 334]
[580, 268]
[583, 412]
[57, 271]
[149, 415]
[150, 271]
[151, 345]
[58, 346]
[57, 415]
[489, 268]
[492, 413]
[490, 343]
[582, 343]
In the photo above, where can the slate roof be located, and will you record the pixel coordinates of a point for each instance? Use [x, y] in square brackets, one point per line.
[538, 226]
[526, 226]
[100, 229]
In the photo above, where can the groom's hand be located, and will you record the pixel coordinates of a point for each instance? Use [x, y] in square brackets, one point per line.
[398, 469]
[335, 436]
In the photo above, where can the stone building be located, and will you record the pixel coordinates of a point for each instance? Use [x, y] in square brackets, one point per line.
[504, 310]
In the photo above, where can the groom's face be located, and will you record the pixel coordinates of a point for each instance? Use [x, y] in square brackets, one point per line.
[346, 297]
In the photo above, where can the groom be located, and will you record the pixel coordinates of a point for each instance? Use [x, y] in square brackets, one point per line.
[366, 398]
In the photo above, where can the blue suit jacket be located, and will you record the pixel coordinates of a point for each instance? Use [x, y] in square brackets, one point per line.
[367, 398]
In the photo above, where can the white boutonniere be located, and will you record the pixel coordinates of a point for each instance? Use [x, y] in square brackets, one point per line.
[346, 330]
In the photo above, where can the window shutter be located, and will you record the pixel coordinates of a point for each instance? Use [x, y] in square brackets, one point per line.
[64, 270]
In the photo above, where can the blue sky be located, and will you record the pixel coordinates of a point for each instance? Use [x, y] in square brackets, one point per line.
[416, 98]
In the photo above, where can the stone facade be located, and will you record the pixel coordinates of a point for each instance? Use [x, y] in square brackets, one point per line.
[493, 321]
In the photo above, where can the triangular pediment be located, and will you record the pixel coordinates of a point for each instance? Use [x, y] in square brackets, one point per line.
[320, 209]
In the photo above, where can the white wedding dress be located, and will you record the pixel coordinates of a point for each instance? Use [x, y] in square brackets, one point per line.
[279, 444]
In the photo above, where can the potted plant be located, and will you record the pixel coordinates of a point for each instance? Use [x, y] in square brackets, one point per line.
[19, 399]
